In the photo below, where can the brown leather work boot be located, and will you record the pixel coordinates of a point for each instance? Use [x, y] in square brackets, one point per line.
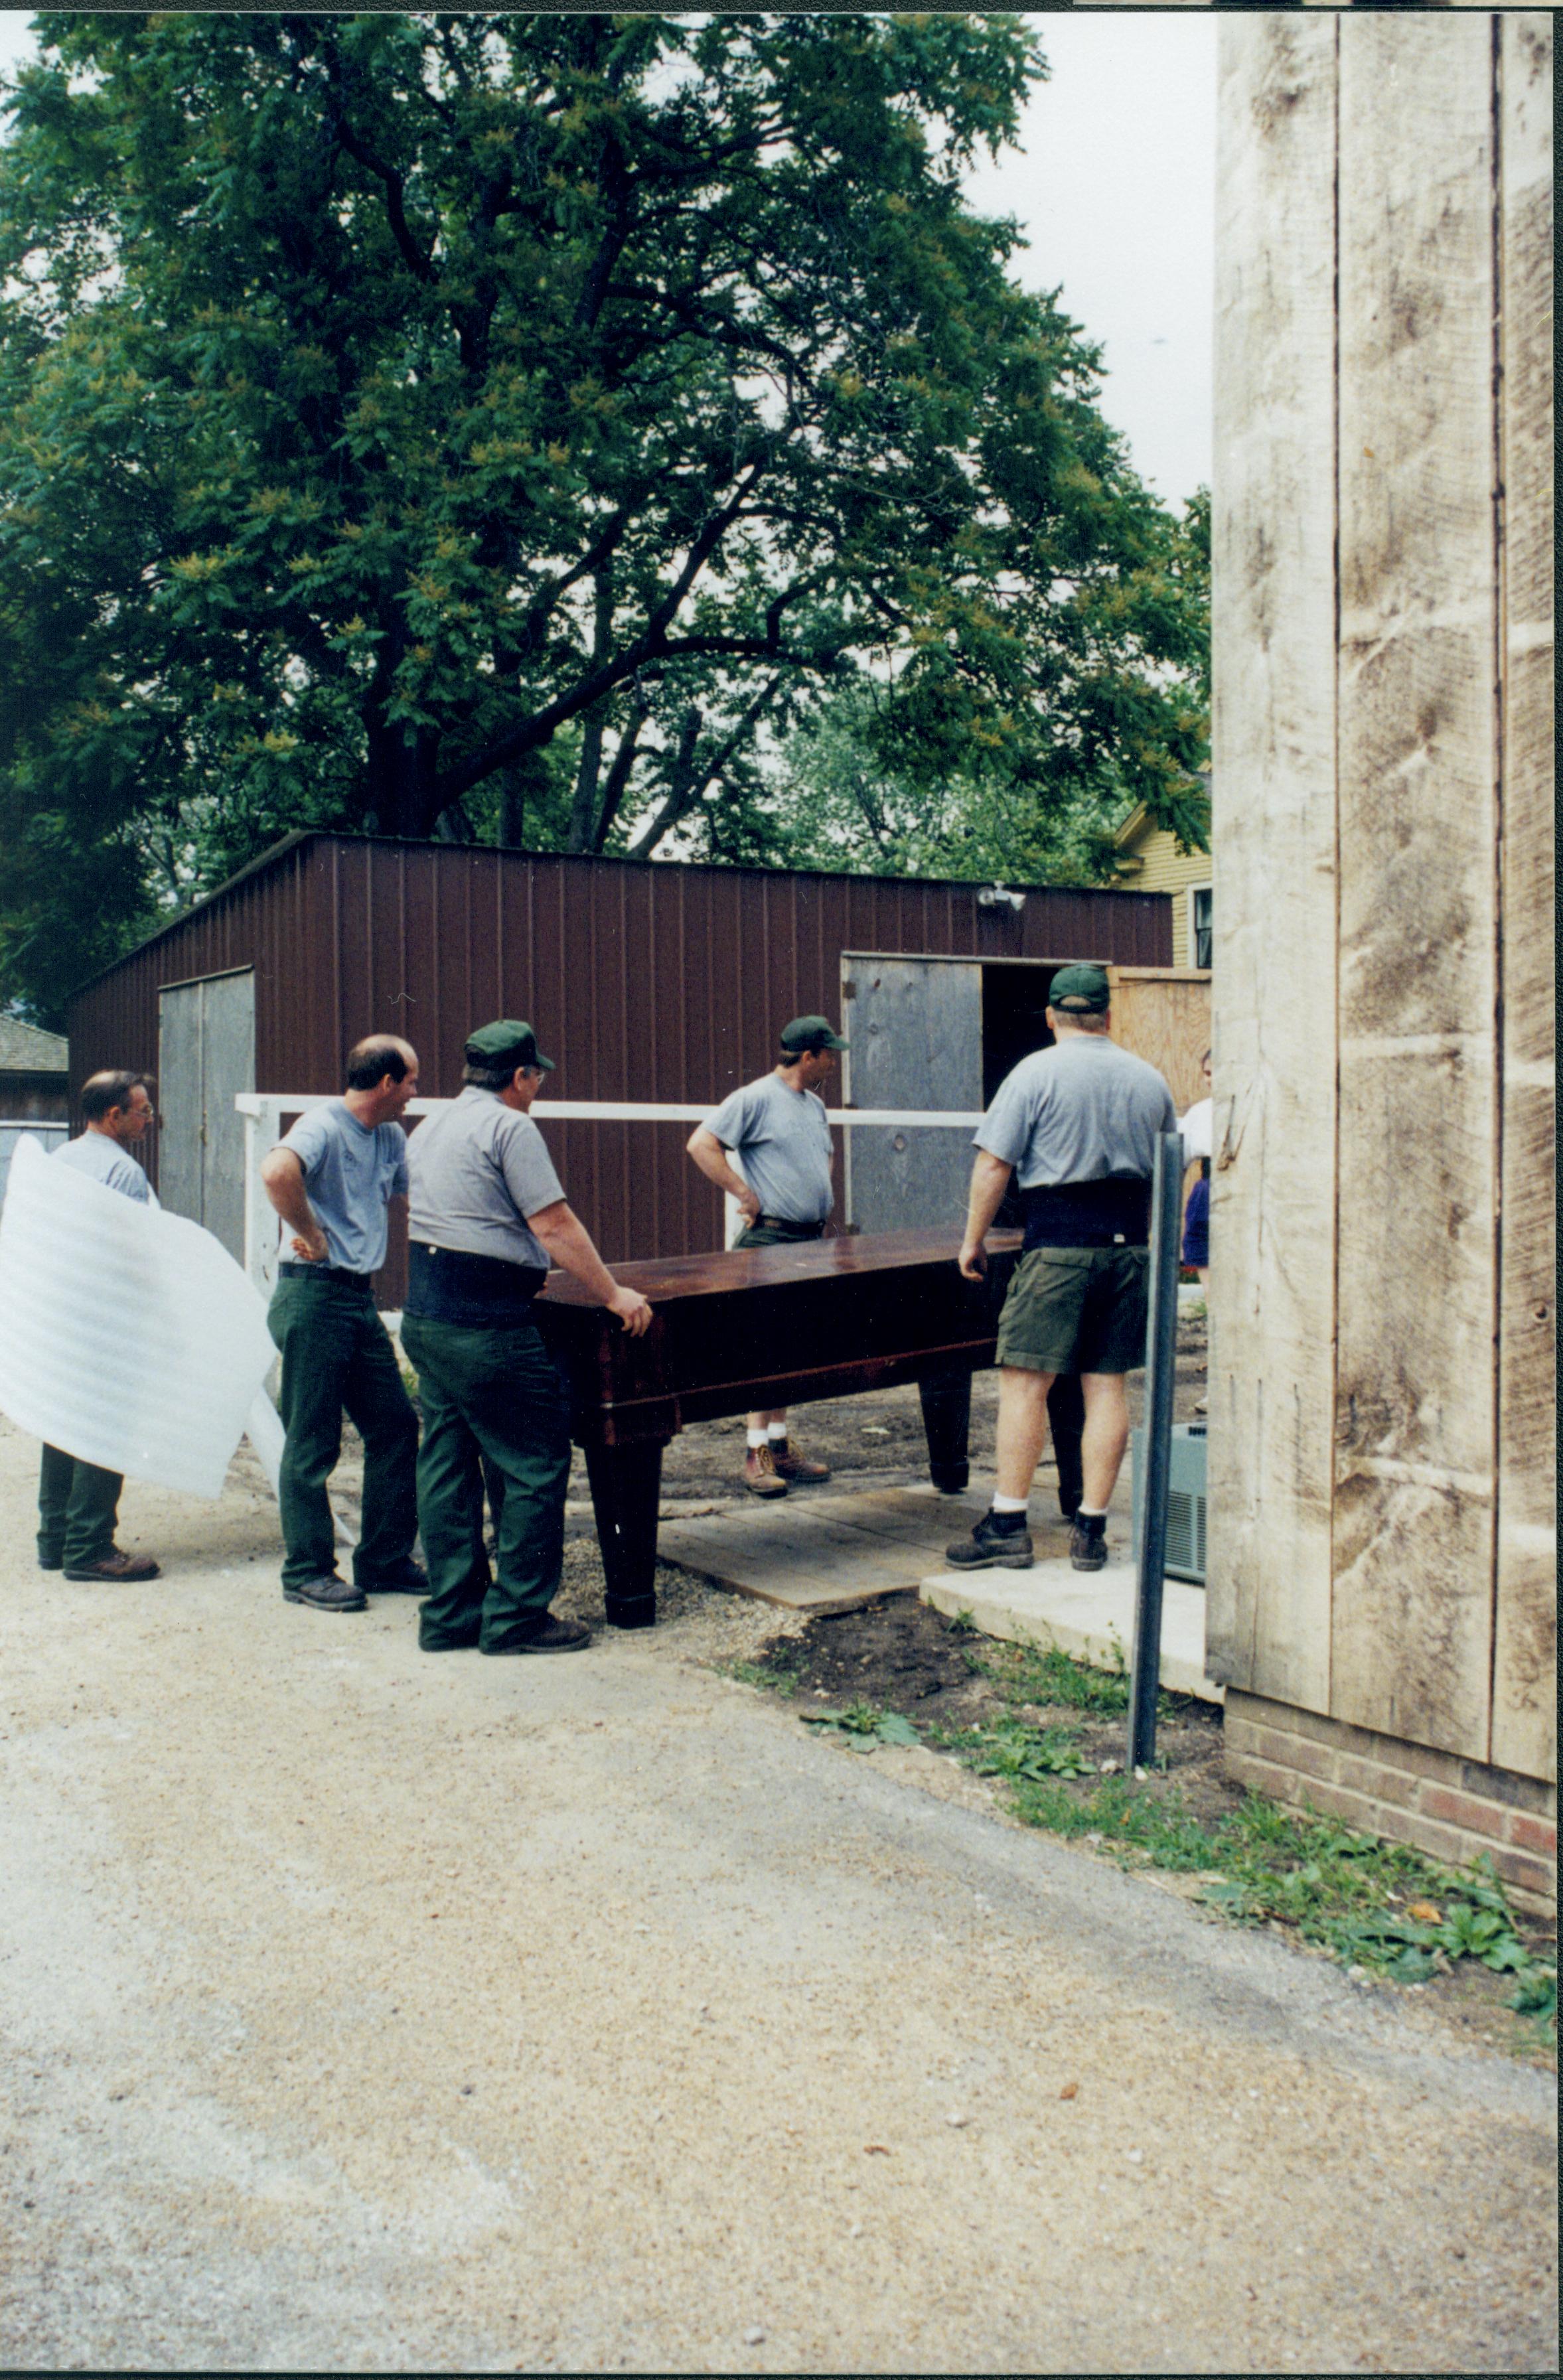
[761, 1475]
[115, 1569]
[791, 1465]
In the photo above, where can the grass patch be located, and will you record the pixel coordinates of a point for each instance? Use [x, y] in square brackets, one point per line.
[1381, 1906]
[772, 1676]
[1044, 1674]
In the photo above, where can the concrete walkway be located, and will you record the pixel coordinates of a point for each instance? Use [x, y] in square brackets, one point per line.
[365, 2010]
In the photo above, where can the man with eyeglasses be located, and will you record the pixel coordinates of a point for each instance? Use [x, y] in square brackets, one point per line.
[488, 1216]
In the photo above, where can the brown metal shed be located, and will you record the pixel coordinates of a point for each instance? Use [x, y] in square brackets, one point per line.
[646, 980]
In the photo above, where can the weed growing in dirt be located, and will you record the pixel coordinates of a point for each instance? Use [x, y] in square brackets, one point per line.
[863, 1725]
[1020, 1753]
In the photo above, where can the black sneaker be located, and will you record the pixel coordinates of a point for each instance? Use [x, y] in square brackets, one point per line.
[991, 1546]
[554, 1637]
[1087, 1543]
[411, 1578]
[328, 1593]
[50, 1561]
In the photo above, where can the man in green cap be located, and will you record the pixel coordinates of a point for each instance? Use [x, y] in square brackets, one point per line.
[488, 1214]
[778, 1130]
[1078, 1124]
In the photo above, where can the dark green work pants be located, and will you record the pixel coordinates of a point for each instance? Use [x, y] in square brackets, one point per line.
[77, 1506]
[337, 1358]
[493, 1393]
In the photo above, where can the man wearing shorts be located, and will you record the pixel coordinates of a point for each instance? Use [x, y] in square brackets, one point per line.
[1077, 1125]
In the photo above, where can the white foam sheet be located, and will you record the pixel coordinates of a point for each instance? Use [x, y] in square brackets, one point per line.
[128, 1336]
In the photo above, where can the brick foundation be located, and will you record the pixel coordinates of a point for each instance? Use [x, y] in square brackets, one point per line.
[1446, 1806]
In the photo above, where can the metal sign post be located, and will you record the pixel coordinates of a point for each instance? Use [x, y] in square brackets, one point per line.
[1161, 1345]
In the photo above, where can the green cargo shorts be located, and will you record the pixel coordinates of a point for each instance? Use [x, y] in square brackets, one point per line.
[1076, 1310]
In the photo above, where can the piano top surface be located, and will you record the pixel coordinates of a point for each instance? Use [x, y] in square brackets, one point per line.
[725, 1271]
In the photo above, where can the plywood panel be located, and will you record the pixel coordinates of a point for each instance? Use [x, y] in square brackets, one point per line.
[916, 1030]
[1413, 1519]
[1163, 1015]
[1524, 1683]
[1273, 860]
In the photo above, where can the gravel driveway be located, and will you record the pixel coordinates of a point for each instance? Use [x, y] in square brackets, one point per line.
[364, 2009]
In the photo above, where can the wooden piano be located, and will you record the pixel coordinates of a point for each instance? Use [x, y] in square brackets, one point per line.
[763, 1327]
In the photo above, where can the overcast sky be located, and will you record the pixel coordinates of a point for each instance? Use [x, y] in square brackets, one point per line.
[1115, 190]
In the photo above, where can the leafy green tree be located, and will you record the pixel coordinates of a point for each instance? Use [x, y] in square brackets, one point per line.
[514, 425]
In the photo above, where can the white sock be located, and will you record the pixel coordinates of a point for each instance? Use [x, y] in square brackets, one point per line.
[1011, 1504]
[1086, 1512]
[755, 1437]
[776, 1433]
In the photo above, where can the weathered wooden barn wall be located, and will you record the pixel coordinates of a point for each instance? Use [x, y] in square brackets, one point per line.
[646, 982]
[1382, 1370]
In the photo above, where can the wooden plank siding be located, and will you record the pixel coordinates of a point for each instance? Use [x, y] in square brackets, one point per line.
[1383, 1367]
[1273, 634]
[1414, 1514]
[1525, 1733]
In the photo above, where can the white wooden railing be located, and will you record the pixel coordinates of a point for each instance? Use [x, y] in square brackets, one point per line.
[263, 1112]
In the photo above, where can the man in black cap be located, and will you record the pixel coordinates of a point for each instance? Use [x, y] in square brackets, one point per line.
[1078, 1124]
[488, 1213]
[777, 1128]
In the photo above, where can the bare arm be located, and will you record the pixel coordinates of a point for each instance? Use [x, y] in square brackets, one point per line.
[569, 1243]
[711, 1158]
[284, 1179]
[990, 1179]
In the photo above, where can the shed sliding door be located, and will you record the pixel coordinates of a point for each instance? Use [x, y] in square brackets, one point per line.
[206, 1053]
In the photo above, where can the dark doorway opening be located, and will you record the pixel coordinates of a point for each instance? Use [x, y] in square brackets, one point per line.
[1015, 1023]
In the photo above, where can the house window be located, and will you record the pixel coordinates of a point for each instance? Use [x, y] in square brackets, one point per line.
[1199, 925]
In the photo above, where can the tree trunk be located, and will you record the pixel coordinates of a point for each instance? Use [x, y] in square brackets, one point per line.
[583, 810]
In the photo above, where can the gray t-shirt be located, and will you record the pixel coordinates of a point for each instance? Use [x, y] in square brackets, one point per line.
[1077, 1113]
[782, 1141]
[104, 1159]
[351, 1171]
[479, 1168]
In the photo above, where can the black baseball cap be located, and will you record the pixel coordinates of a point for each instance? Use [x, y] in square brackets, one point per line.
[507, 1039]
[809, 1033]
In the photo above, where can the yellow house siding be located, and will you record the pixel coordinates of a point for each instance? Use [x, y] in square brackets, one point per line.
[1158, 865]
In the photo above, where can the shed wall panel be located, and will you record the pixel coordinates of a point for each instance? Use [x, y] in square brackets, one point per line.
[645, 981]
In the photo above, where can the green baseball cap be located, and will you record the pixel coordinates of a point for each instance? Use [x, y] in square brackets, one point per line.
[506, 1037]
[1081, 986]
[809, 1033]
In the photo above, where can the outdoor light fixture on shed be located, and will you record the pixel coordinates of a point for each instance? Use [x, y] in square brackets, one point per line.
[996, 896]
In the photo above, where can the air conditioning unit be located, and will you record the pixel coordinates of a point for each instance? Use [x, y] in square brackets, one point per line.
[1185, 1499]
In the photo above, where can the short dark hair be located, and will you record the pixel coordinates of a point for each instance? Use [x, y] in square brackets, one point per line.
[488, 1077]
[100, 1093]
[1085, 1020]
[370, 1062]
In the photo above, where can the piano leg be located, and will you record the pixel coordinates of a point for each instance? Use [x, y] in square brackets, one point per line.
[1066, 1420]
[626, 1484]
[947, 1415]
